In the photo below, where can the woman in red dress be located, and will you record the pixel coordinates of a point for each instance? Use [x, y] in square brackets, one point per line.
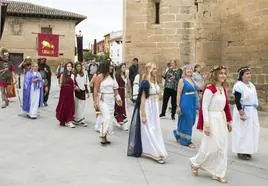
[65, 108]
[120, 111]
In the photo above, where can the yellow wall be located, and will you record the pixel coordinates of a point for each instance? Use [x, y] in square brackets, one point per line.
[18, 37]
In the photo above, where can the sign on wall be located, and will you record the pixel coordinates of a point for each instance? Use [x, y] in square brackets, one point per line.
[48, 45]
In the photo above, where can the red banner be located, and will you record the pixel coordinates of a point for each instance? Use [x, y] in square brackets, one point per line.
[48, 45]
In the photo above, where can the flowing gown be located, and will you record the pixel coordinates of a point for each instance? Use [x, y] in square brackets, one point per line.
[212, 154]
[107, 102]
[32, 94]
[120, 112]
[80, 98]
[146, 139]
[65, 108]
[245, 135]
[186, 121]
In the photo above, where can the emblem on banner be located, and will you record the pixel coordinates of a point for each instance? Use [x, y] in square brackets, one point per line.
[48, 45]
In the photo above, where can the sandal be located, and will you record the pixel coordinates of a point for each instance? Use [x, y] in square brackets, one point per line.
[194, 170]
[161, 161]
[248, 156]
[220, 179]
[104, 141]
[243, 156]
[192, 146]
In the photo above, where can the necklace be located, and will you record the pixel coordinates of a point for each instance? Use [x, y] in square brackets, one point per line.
[220, 89]
[248, 85]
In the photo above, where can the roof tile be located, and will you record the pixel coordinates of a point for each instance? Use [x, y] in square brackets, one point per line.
[30, 9]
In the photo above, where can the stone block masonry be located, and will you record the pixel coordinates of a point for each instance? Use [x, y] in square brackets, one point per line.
[208, 32]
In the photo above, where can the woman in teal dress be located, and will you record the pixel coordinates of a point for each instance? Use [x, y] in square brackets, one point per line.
[186, 108]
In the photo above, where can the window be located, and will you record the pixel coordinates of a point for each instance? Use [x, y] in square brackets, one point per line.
[157, 13]
[46, 30]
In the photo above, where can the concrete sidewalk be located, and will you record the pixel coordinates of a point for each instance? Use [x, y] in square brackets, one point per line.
[40, 153]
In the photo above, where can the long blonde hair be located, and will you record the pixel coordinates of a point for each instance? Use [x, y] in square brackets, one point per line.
[148, 71]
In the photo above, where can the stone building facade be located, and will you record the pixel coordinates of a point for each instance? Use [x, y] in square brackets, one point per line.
[208, 32]
[23, 22]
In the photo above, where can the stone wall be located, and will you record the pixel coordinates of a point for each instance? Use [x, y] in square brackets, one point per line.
[208, 32]
[173, 38]
[18, 37]
[244, 39]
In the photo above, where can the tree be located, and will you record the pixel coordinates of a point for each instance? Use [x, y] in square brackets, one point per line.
[99, 58]
[88, 56]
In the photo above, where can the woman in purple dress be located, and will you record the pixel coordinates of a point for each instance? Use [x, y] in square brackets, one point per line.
[32, 92]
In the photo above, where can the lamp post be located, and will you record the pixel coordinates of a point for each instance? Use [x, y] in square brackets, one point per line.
[79, 42]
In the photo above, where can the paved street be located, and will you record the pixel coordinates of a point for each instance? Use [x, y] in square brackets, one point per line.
[40, 153]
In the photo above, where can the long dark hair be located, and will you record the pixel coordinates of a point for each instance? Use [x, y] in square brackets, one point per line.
[196, 66]
[105, 69]
[241, 71]
[119, 71]
[65, 73]
[81, 72]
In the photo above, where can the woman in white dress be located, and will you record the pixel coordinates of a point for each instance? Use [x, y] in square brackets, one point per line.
[105, 96]
[214, 119]
[32, 92]
[145, 137]
[81, 93]
[246, 126]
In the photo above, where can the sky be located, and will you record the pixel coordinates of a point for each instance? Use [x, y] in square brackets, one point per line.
[103, 16]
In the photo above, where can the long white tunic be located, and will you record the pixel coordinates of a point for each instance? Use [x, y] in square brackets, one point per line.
[245, 135]
[212, 154]
[35, 99]
[107, 102]
[136, 86]
[151, 134]
[80, 104]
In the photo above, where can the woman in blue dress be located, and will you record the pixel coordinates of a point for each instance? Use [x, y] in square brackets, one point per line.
[186, 108]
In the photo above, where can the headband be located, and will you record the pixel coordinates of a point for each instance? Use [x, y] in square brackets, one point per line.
[244, 69]
[187, 67]
[220, 67]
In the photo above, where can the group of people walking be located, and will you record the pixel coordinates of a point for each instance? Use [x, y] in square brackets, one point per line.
[190, 94]
[214, 119]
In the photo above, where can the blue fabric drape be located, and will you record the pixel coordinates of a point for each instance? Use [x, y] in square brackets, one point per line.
[186, 121]
[134, 141]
